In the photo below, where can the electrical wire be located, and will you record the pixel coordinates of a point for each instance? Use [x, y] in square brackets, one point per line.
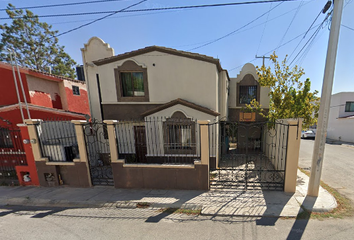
[291, 40]
[347, 27]
[159, 9]
[99, 19]
[233, 32]
[311, 38]
[264, 28]
[291, 22]
[63, 4]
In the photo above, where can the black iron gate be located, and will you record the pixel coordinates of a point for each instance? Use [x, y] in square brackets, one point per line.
[98, 153]
[250, 155]
[12, 154]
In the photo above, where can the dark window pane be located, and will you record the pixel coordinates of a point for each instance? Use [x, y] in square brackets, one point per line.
[138, 84]
[127, 84]
[247, 94]
[349, 106]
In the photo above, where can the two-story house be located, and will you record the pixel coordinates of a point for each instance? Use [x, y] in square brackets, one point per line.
[163, 83]
[341, 117]
[48, 97]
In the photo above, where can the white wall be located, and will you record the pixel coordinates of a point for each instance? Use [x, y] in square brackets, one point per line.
[172, 77]
[95, 49]
[340, 129]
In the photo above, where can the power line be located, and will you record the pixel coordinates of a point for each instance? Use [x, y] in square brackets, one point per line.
[99, 19]
[265, 25]
[291, 22]
[293, 39]
[313, 36]
[63, 4]
[324, 10]
[348, 27]
[159, 9]
[230, 33]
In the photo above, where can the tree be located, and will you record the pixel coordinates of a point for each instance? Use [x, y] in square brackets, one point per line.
[34, 43]
[289, 96]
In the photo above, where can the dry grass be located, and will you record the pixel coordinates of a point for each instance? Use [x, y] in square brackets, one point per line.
[344, 208]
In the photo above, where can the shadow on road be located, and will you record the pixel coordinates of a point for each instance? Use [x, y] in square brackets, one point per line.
[302, 220]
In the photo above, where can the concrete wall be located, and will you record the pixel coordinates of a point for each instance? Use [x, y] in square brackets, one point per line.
[152, 176]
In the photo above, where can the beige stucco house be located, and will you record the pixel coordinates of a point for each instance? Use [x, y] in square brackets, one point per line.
[163, 83]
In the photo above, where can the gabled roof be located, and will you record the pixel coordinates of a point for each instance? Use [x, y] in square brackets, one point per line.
[172, 51]
[182, 102]
[40, 108]
[39, 74]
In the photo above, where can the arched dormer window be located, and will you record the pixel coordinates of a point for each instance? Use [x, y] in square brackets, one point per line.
[131, 82]
[179, 134]
[247, 90]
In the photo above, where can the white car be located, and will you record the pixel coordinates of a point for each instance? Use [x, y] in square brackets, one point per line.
[308, 134]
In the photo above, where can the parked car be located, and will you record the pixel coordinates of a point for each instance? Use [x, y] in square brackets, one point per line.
[308, 134]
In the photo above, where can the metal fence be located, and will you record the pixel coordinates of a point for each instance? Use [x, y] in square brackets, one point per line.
[159, 140]
[249, 155]
[58, 140]
[12, 154]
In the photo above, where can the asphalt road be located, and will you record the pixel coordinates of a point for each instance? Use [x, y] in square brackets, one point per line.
[113, 223]
[338, 165]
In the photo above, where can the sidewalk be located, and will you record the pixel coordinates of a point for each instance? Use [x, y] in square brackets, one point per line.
[215, 202]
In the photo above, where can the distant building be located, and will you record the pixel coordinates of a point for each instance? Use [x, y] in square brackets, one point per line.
[341, 117]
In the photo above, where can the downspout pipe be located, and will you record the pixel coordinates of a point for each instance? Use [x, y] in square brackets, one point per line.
[23, 90]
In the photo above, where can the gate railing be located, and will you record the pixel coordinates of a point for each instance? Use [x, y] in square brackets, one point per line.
[11, 153]
[57, 140]
[158, 140]
[256, 155]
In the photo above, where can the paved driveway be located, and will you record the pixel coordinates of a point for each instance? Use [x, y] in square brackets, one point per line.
[338, 165]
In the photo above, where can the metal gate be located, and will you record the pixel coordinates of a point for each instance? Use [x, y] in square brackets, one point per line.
[98, 153]
[12, 154]
[250, 155]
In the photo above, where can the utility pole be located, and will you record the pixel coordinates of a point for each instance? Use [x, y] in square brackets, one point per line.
[319, 146]
[264, 57]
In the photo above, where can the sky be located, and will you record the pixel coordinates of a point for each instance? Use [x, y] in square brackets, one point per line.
[234, 34]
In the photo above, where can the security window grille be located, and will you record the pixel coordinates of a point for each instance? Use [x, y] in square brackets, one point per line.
[5, 138]
[247, 94]
[76, 90]
[180, 136]
[132, 84]
[349, 106]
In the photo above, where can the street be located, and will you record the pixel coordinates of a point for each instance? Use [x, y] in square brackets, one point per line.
[24, 222]
[338, 165]
[112, 223]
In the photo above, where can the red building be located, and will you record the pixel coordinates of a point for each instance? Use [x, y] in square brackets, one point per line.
[48, 97]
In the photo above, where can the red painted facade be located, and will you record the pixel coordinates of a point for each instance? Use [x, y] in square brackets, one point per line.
[8, 94]
[55, 97]
[78, 103]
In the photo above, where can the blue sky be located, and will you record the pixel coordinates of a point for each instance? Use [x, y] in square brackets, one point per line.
[189, 29]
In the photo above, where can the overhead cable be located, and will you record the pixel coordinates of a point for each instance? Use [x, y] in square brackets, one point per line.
[157, 9]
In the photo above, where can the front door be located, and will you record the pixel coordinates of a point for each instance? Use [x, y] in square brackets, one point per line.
[140, 143]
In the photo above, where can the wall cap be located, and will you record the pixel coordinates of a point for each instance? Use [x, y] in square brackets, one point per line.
[203, 121]
[33, 121]
[112, 122]
[60, 163]
[148, 165]
[79, 122]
